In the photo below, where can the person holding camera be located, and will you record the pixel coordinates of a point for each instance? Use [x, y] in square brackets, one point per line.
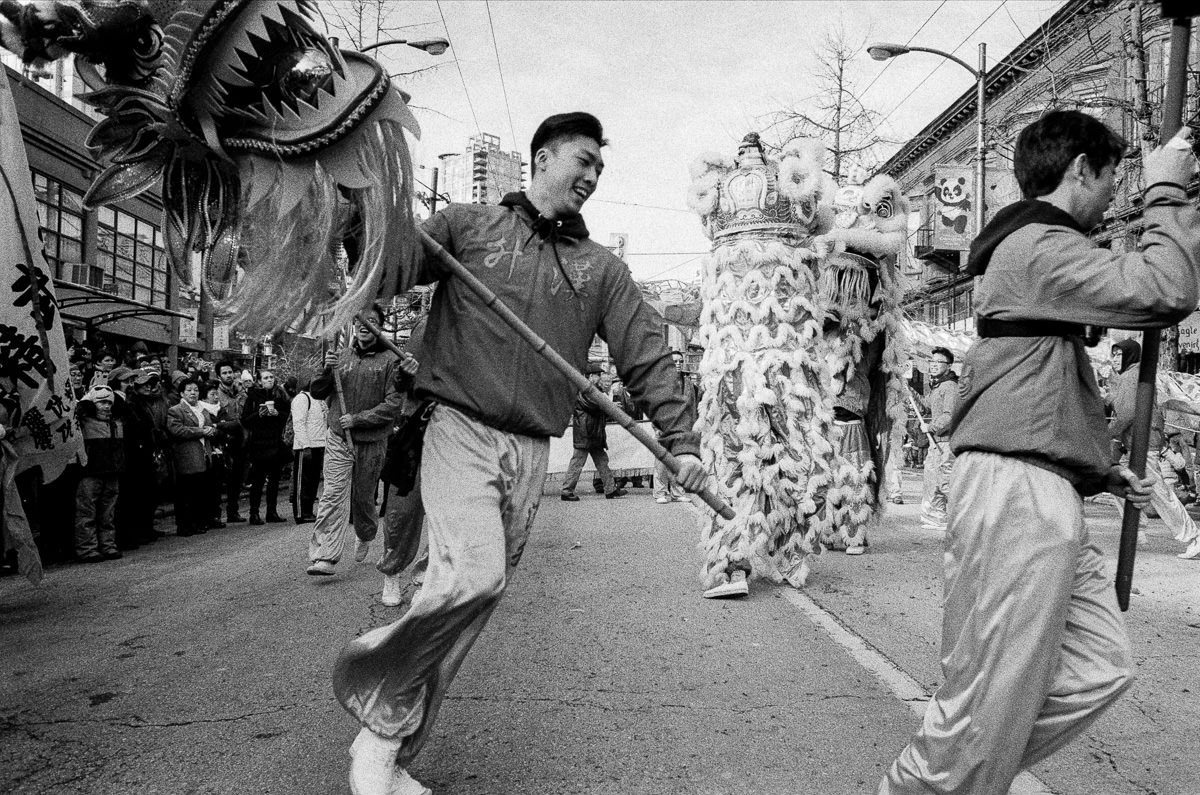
[264, 417]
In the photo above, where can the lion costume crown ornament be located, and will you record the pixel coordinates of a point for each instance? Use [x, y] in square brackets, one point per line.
[272, 145]
[756, 196]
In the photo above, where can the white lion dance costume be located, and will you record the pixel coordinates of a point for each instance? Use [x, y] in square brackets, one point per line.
[765, 419]
[864, 348]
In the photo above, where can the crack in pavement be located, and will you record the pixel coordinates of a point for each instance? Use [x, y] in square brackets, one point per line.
[135, 722]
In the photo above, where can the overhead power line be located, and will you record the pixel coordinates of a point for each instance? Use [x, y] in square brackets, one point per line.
[503, 88]
[942, 62]
[467, 94]
[647, 206]
[887, 65]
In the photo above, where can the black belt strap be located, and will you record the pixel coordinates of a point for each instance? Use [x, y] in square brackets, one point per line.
[987, 327]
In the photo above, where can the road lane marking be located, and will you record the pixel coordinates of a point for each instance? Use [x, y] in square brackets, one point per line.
[903, 686]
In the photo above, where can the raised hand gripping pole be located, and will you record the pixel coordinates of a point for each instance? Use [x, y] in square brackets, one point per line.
[1172, 120]
[577, 378]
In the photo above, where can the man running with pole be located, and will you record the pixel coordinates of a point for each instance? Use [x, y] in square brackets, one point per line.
[487, 443]
[1033, 645]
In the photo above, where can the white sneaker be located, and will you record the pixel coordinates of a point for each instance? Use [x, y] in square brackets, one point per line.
[736, 586]
[321, 567]
[391, 590]
[1192, 552]
[361, 548]
[857, 550]
[374, 771]
[662, 499]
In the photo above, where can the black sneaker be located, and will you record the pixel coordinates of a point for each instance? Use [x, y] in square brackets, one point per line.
[234, 518]
[568, 496]
[612, 495]
[114, 554]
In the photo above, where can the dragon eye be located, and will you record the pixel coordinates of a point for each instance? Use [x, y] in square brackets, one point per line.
[884, 208]
[310, 71]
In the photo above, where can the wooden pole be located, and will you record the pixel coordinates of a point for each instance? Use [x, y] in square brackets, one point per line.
[1172, 120]
[577, 378]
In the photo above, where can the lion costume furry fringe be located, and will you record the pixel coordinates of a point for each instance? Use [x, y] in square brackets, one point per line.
[803, 363]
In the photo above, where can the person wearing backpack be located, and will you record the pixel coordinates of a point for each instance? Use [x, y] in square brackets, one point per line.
[307, 421]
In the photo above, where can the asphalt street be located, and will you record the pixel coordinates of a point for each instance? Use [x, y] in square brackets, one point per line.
[201, 665]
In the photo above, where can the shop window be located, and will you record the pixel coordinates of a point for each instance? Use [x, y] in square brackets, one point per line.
[60, 212]
[130, 252]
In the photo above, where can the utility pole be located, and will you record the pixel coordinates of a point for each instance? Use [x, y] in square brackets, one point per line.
[433, 194]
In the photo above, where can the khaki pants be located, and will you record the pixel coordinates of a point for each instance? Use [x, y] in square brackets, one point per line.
[936, 484]
[1033, 645]
[481, 488]
[1165, 502]
[351, 472]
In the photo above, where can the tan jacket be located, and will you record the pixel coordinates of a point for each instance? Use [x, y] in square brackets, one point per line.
[943, 401]
[1036, 397]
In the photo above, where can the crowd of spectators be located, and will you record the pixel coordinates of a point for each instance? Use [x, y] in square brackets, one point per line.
[184, 442]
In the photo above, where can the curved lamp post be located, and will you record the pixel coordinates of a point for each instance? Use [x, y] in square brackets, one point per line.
[431, 46]
[881, 51]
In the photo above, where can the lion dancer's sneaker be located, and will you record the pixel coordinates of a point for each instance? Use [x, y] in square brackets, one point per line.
[374, 770]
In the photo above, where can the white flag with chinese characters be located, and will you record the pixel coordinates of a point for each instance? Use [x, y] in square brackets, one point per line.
[37, 407]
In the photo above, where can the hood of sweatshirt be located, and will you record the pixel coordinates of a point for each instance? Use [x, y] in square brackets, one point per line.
[1009, 220]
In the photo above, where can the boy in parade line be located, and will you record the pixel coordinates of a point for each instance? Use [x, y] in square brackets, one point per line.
[486, 447]
[1033, 645]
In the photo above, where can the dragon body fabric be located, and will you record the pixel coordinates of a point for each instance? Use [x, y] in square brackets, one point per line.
[802, 356]
[271, 145]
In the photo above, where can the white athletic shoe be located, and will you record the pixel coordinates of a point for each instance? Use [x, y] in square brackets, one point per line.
[373, 770]
[322, 568]
[662, 499]
[858, 550]
[736, 586]
[361, 548]
[391, 590]
[1192, 552]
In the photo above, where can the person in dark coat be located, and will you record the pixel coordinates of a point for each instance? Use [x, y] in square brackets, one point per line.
[144, 442]
[264, 417]
[590, 438]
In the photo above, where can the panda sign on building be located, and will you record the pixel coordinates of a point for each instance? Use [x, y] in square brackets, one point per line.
[953, 207]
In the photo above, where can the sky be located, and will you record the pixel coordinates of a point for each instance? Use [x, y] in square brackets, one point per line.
[671, 81]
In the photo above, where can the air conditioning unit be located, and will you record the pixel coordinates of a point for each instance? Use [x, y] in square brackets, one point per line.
[87, 275]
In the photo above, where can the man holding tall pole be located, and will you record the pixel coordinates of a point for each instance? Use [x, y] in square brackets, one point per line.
[486, 446]
[1033, 645]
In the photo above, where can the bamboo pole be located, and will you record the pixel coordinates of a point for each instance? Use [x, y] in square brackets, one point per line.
[1172, 120]
[577, 378]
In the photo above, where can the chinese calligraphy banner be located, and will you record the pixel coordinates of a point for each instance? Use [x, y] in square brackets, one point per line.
[37, 407]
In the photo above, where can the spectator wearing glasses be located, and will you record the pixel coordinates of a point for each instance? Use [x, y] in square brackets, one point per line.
[942, 401]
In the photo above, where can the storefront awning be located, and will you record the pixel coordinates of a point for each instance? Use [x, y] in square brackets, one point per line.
[93, 308]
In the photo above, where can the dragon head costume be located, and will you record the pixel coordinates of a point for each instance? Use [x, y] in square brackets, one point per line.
[272, 145]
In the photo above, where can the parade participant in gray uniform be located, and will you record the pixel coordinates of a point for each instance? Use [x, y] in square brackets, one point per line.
[487, 444]
[359, 384]
[943, 400]
[1033, 644]
[1163, 499]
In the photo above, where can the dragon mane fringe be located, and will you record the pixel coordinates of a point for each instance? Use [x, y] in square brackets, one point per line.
[361, 189]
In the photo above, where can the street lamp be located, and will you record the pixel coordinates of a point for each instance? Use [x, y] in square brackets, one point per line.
[431, 46]
[881, 51]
